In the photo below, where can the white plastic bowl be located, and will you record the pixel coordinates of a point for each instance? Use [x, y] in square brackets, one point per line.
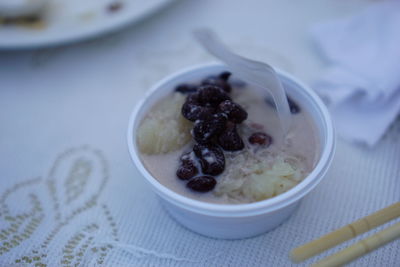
[233, 221]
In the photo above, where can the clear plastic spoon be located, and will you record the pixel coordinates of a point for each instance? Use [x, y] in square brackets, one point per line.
[252, 72]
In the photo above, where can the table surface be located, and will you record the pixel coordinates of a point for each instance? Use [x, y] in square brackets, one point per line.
[69, 193]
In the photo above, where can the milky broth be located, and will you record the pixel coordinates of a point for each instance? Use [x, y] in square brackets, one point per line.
[301, 145]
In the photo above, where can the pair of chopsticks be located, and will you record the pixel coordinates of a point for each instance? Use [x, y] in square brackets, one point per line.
[348, 232]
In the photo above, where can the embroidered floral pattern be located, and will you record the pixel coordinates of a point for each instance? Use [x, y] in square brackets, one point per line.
[73, 185]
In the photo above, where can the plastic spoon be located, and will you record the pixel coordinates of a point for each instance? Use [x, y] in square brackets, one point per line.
[253, 72]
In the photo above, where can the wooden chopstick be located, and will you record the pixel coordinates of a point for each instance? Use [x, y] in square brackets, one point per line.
[345, 233]
[361, 248]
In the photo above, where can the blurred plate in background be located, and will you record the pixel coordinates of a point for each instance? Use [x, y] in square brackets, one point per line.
[73, 20]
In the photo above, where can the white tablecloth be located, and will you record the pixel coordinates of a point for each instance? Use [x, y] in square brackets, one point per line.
[69, 193]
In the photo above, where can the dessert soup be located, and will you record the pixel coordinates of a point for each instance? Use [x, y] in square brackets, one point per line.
[219, 140]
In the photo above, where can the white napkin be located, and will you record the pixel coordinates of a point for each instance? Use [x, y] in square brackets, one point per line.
[362, 85]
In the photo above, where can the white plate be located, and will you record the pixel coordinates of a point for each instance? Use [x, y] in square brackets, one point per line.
[73, 20]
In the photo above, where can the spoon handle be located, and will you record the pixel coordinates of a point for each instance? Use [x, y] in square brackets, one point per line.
[253, 72]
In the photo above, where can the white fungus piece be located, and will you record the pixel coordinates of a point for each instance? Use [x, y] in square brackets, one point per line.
[258, 176]
[164, 129]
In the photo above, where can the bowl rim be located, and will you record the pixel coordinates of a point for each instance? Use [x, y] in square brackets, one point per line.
[285, 199]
